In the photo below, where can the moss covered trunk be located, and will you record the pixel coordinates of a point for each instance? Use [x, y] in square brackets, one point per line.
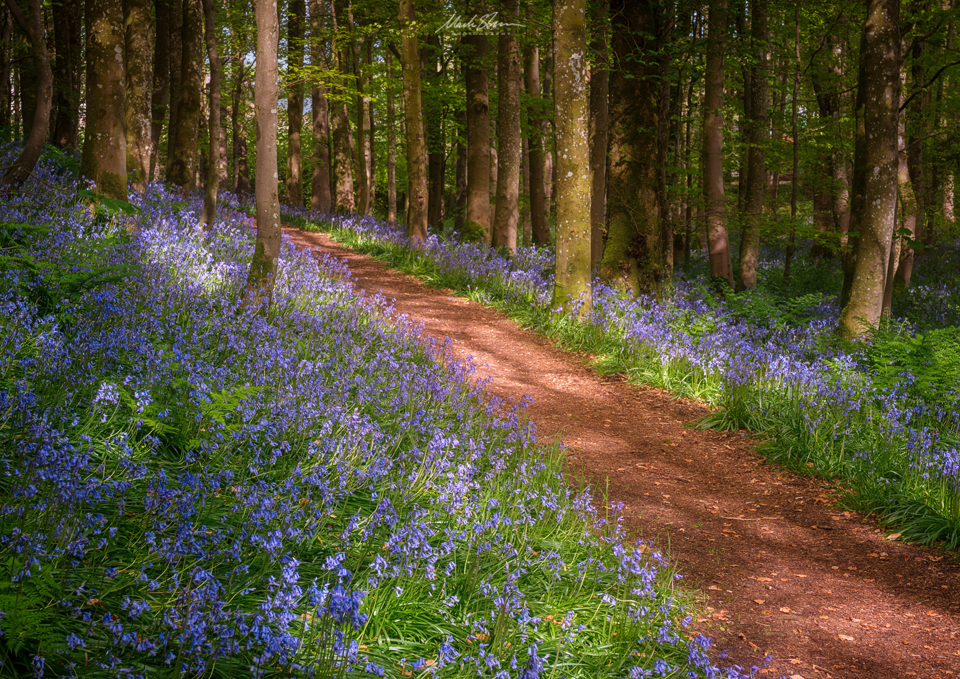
[507, 209]
[874, 187]
[631, 257]
[104, 158]
[571, 109]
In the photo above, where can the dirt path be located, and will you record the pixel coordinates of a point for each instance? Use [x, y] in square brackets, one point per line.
[822, 591]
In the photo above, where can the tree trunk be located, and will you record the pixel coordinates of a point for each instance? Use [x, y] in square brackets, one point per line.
[176, 73]
[104, 158]
[795, 182]
[263, 266]
[873, 213]
[139, 88]
[6, 74]
[571, 289]
[507, 210]
[547, 137]
[370, 146]
[631, 258]
[320, 182]
[23, 166]
[160, 97]
[296, 18]
[213, 167]
[241, 172]
[344, 200]
[540, 230]
[757, 141]
[915, 165]
[478, 138]
[434, 127]
[599, 82]
[391, 146]
[664, 64]
[715, 211]
[183, 153]
[68, 23]
[460, 172]
[413, 116]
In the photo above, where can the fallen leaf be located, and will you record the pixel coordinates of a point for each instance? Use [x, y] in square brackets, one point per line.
[893, 536]
[869, 579]
[844, 637]
[764, 580]
[785, 609]
[759, 601]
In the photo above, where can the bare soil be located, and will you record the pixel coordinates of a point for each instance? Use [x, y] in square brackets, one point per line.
[827, 593]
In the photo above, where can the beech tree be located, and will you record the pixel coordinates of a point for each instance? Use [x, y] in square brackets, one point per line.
[213, 170]
[631, 258]
[507, 209]
[413, 118]
[184, 131]
[138, 54]
[571, 107]
[712, 160]
[320, 181]
[296, 19]
[104, 158]
[263, 266]
[477, 224]
[756, 140]
[874, 190]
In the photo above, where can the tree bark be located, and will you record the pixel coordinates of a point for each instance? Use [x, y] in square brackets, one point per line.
[183, 153]
[6, 74]
[391, 146]
[67, 22]
[23, 166]
[795, 182]
[538, 208]
[160, 97]
[915, 163]
[413, 116]
[507, 210]
[213, 167]
[343, 198]
[320, 181]
[241, 172]
[873, 213]
[632, 256]
[715, 210]
[138, 28]
[571, 290]
[296, 18]
[477, 224]
[434, 128]
[176, 73]
[104, 158]
[757, 141]
[599, 84]
[263, 266]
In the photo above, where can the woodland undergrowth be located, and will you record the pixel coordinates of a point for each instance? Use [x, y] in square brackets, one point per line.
[195, 486]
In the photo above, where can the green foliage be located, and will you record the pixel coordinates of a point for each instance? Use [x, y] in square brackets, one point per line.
[52, 285]
[926, 365]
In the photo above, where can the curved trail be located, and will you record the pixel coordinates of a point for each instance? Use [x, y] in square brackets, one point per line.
[785, 573]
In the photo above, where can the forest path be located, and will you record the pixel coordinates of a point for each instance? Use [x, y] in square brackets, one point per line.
[785, 573]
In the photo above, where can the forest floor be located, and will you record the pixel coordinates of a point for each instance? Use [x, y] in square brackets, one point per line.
[827, 593]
